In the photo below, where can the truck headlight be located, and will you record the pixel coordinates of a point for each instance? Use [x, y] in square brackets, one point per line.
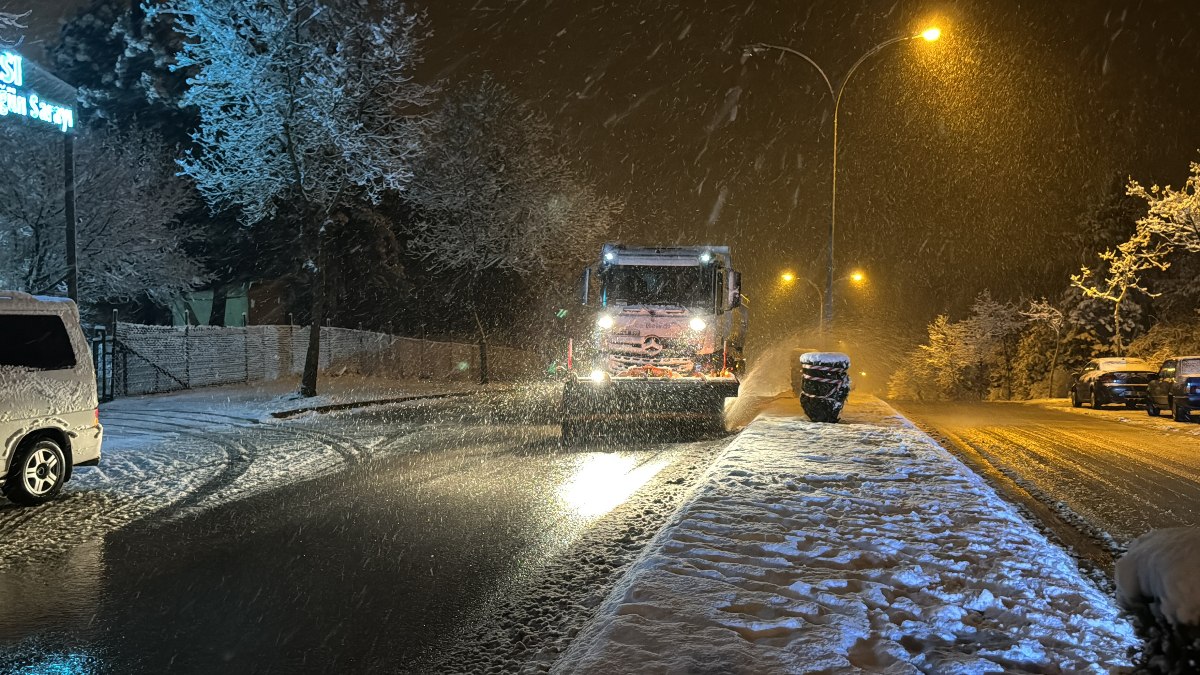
[598, 375]
[605, 321]
[697, 324]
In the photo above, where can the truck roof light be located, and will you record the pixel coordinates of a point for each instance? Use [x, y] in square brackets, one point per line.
[705, 257]
[610, 256]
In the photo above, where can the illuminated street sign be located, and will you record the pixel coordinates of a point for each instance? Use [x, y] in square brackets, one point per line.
[18, 99]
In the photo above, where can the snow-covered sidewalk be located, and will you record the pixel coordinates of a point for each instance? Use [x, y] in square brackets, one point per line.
[860, 546]
[279, 398]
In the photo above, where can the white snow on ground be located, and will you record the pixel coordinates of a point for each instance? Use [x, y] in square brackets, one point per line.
[1159, 571]
[861, 546]
[176, 451]
[1135, 416]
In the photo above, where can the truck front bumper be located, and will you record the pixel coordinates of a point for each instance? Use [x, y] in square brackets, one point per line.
[641, 398]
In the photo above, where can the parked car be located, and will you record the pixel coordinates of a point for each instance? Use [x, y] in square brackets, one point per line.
[1111, 380]
[49, 420]
[1177, 388]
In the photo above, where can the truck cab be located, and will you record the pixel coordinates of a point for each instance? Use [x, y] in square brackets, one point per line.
[665, 336]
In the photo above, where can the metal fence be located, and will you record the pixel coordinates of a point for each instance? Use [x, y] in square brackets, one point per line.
[137, 359]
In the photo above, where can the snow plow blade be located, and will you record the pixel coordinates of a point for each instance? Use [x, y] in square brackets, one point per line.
[627, 403]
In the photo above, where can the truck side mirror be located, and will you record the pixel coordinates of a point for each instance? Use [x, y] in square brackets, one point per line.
[735, 289]
[585, 285]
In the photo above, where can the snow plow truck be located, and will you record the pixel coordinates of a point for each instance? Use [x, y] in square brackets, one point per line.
[662, 344]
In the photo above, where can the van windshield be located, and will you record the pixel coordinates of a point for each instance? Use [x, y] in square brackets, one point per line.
[37, 341]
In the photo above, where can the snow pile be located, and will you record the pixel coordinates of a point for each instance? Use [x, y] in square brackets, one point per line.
[825, 359]
[816, 547]
[1160, 571]
[1156, 580]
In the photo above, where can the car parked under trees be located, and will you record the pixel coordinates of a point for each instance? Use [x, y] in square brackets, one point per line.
[1111, 380]
[1177, 388]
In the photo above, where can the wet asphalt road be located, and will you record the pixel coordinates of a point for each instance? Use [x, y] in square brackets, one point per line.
[400, 564]
[1108, 471]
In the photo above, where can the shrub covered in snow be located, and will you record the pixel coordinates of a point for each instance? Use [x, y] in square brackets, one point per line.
[1157, 581]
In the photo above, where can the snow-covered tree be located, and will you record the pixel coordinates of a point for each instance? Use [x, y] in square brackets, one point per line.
[120, 64]
[1046, 314]
[991, 333]
[304, 106]
[495, 193]
[1173, 215]
[128, 202]
[1124, 268]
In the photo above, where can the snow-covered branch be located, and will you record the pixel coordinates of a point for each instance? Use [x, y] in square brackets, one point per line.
[301, 103]
[128, 202]
[1124, 268]
[496, 194]
[1173, 215]
[11, 25]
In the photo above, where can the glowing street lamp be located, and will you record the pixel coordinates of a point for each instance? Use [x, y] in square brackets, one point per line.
[929, 35]
[788, 278]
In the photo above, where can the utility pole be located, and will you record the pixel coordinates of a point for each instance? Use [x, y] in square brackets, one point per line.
[69, 211]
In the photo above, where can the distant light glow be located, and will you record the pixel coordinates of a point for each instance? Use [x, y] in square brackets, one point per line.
[697, 323]
[597, 376]
[604, 481]
[610, 256]
[932, 33]
[705, 257]
[787, 277]
[857, 277]
[605, 321]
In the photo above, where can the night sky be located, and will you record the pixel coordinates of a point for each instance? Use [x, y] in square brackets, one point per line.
[962, 163]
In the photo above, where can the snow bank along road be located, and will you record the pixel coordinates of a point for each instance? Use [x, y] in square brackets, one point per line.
[451, 535]
[854, 547]
[1103, 473]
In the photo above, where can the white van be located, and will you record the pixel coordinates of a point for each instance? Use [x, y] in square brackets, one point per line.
[49, 421]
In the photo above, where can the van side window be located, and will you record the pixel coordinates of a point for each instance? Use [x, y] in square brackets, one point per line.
[37, 341]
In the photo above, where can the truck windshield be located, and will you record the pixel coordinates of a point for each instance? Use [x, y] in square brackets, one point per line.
[688, 286]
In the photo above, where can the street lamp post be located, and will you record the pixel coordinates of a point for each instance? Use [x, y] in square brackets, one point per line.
[929, 35]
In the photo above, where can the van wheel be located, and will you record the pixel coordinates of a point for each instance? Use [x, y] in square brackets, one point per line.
[37, 472]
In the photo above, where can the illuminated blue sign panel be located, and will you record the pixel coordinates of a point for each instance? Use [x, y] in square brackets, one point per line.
[17, 99]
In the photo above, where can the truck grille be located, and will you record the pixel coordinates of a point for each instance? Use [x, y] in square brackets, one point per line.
[621, 362]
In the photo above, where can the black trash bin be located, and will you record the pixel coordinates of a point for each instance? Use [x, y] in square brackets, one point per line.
[824, 385]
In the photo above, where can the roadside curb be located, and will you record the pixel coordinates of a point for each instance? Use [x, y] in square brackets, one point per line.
[334, 407]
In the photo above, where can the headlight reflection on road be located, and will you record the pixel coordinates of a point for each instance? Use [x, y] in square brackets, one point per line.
[603, 481]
